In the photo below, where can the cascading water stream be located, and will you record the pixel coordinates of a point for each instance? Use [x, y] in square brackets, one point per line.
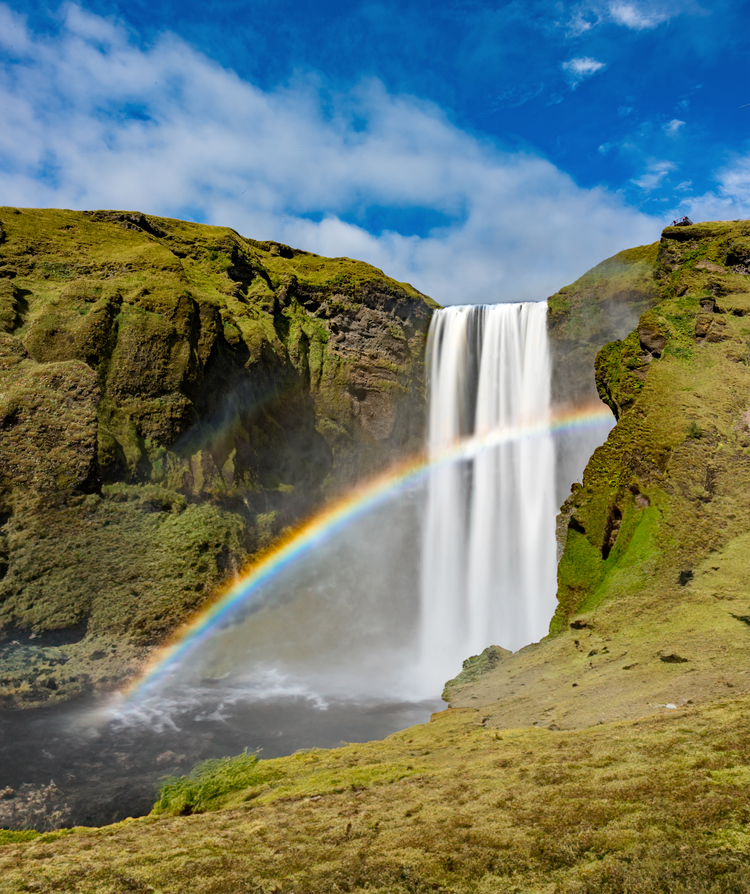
[489, 553]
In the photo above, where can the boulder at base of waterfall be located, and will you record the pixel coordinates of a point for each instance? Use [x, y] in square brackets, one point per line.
[474, 667]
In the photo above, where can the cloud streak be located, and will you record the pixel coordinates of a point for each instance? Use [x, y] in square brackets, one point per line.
[731, 198]
[635, 17]
[672, 128]
[94, 120]
[581, 67]
[655, 173]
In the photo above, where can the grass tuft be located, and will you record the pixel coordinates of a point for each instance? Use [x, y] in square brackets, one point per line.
[208, 782]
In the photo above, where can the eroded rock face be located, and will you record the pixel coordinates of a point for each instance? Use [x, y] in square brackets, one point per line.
[171, 396]
[48, 428]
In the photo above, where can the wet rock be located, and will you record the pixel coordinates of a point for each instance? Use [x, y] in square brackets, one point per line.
[39, 807]
[710, 328]
[703, 264]
[652, 334]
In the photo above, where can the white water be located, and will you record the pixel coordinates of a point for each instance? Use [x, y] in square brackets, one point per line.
[489, 554]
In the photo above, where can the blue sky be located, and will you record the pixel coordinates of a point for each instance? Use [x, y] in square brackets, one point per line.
[483, 151]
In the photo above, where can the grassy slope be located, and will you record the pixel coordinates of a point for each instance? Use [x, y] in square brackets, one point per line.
[659, 804]
[173, 395]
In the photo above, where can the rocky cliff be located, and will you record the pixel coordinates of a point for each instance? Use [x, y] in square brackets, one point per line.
[664, 500]
[602, 306]
[172, 396]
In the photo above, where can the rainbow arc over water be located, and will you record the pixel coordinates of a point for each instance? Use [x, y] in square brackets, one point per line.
[334, 517]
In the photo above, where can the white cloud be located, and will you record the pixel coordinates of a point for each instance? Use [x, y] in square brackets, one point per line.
[654, 175]
[673, 127]
[633, 16]
[14, 38]
[734, 181]
[91, 120]
[582, 67]
[580, 24]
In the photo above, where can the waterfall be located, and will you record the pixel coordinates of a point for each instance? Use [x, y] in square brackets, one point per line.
[489, 554]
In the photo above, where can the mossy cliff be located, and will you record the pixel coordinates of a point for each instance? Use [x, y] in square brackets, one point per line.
[172, 396]
[669, 488]
[653, 605]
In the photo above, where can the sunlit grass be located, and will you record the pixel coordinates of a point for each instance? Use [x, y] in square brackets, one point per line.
[449, 806]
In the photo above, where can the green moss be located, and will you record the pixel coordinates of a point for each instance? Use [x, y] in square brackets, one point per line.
[630, 564]
[8, 836]
[213, 783]
[579, 573]
[209, 783]
[673, 383]
[474, 667]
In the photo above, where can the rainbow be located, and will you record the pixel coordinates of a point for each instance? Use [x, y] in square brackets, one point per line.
[335, 517]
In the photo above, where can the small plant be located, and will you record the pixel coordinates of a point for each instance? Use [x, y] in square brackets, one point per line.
[209, 781]
[694, 430]
[12, 836]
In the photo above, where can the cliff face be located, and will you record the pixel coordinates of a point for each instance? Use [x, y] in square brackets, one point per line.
[172, 395]
[668, 489]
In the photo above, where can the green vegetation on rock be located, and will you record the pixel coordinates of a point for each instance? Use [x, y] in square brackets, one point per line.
[172, 396]
[668, 488]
